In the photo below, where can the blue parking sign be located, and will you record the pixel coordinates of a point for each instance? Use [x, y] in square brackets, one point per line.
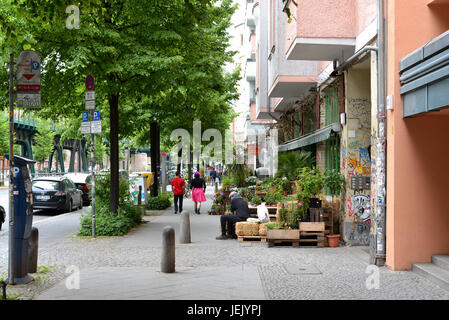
[85, 116]
[96, 115]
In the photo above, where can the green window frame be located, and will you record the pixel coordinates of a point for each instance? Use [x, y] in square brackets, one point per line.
[332, 105]
[332, 155]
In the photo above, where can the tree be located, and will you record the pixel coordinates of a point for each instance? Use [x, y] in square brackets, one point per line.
[154, 59]
[4, 137]
[44, 141]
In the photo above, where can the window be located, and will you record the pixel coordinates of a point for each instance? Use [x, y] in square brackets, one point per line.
[332, 105]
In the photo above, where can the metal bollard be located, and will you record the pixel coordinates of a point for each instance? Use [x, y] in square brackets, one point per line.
[184, 234]
[168, 250]
[3, 285]
[33, 251]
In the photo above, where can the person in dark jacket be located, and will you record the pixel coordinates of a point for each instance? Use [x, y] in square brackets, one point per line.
[241, 212]
[198, 187]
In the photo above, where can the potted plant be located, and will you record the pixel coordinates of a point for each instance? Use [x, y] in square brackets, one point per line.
[256, 200]
[286, 186]
[335, 182]
[311, 182]
[282, 230]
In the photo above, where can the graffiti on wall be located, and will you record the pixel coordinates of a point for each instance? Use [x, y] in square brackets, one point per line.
[360, 108]
[358, 233]
[356, 168]
[359, 208]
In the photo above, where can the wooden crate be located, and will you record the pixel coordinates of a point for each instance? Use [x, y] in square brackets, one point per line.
[281, 236]
[312, 234]
[252, 238]
[272, 242]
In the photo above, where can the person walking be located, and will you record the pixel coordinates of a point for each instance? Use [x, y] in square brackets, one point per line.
[213, 176]
[241, 212]
[198, 187]
[177, 185]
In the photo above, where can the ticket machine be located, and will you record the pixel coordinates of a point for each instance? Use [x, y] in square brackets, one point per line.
[23, 217]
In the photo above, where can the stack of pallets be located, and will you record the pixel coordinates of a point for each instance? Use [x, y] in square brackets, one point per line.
[312, 234]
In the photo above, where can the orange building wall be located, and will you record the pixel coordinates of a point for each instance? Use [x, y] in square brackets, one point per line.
[417, 148]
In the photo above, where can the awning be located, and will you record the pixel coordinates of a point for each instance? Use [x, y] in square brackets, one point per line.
[311, 138]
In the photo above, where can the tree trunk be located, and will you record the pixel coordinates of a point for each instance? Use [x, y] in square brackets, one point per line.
[155, 156]
[114, 153]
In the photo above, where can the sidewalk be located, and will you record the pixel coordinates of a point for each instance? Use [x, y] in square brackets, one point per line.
[128, 267]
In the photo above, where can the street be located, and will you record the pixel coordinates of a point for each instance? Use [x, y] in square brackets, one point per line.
[53, 227]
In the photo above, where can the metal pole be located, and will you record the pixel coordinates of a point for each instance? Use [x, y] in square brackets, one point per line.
[11, 169]
[92, 165]
[381, 142]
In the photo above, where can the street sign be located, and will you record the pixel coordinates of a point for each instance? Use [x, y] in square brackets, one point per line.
[90, 82]
[90, 95]
[90, 99]
[90, 104]
[29, 80]
[29, 100]
[95, 127]
[85, 116]
[95, 115]
[85, 127]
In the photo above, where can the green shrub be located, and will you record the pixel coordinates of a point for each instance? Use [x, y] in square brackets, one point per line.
[106, 222]
[257, 200]
[227, 181]
[161, 202]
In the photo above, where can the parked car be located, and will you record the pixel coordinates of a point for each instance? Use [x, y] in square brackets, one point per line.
[83, 182]
[59, 193]
[2, 216]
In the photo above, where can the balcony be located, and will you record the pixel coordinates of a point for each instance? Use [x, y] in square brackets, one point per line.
[321, 30]
[250, 70]
[264, 113]
[284, 104]
[292, 86]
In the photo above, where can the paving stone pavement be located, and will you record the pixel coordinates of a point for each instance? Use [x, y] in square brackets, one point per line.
[128, 268]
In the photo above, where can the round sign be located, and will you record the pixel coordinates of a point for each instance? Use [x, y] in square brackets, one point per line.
[90, 82]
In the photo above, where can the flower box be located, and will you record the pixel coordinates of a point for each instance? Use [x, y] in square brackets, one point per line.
[282, 234]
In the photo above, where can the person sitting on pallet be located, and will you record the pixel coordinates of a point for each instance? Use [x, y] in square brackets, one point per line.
[240, 210]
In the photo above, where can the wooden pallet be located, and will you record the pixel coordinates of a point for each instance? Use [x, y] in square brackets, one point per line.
[312, 239]
[273, 242]
[252, 238]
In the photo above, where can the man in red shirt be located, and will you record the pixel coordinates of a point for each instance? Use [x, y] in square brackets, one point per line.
[177, 185]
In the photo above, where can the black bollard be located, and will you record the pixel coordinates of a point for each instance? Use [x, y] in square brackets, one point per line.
[168, 250]
[33, 250]
[184, 234]
[3, 285]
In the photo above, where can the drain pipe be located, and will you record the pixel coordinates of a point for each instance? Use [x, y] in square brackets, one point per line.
[337, 71]
[378, 256]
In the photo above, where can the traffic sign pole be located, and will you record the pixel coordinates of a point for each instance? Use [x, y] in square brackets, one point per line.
[92, 157]
[11, 171]
[90, 105]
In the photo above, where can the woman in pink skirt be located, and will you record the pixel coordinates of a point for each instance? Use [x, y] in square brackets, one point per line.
[198, 187]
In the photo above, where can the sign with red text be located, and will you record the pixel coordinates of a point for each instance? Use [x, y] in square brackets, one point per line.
[28, 80]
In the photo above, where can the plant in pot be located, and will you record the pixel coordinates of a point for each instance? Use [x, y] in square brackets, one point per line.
[311, 182]
[272, 198]
[256, 200]
[283, 229]
[335, 182]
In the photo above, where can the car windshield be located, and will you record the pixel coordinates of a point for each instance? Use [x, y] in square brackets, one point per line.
[46, 185]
